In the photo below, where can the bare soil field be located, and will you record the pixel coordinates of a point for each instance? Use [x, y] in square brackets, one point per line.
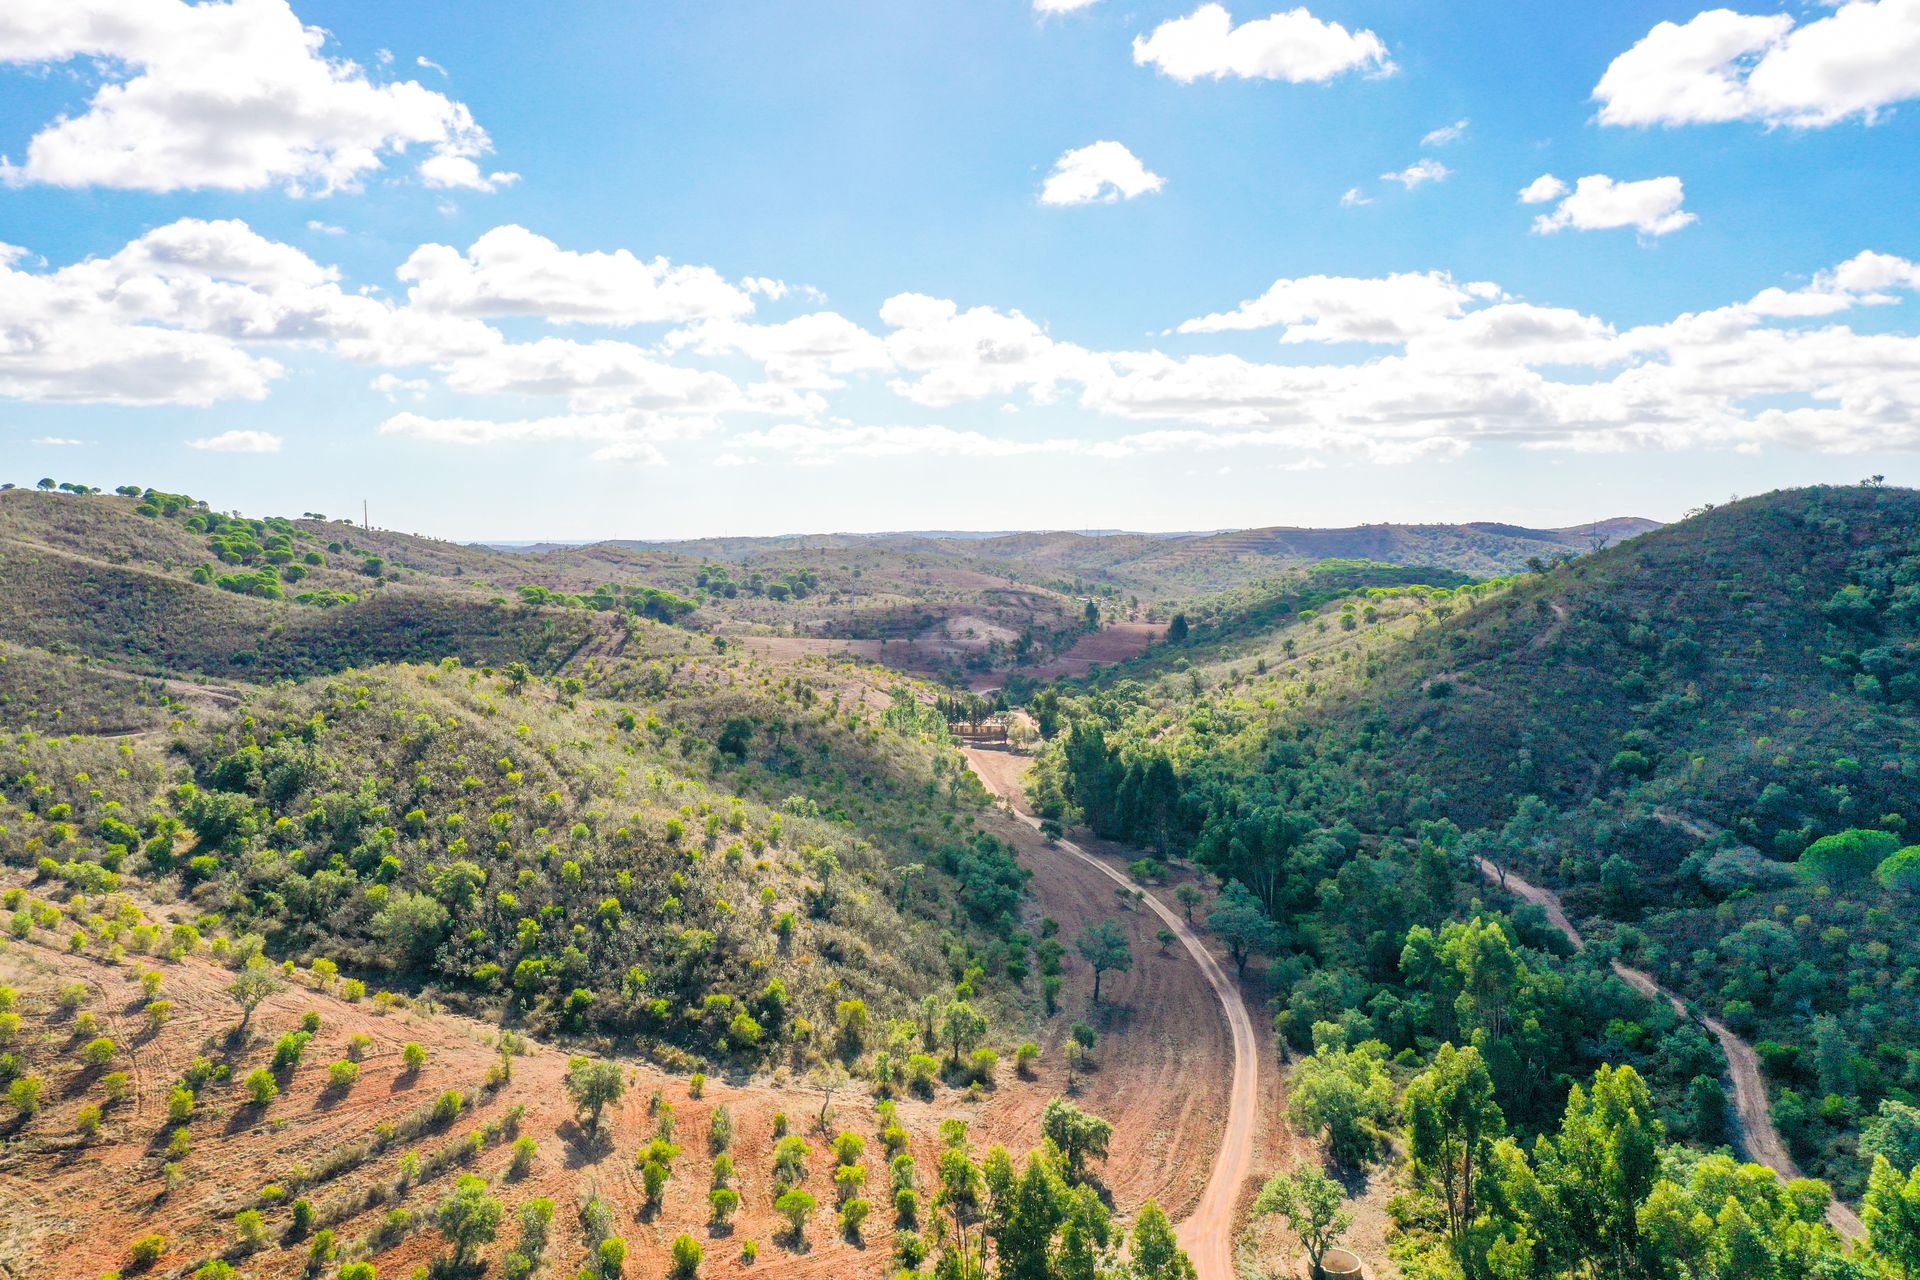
[1108, 645]
[71, 1207]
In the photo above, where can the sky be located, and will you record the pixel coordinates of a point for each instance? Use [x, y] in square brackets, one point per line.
[606, 268]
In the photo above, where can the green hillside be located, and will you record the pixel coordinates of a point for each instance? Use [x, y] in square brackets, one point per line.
[1662, 728]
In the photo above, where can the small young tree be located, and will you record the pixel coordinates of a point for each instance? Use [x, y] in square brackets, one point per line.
[468, 1217]
[593, 1084]
[1104, 946]
[797, 1207]
[251, 986]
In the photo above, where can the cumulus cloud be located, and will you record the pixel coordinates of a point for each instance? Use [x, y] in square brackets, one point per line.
[1293, 46]
[510, 271]
[1720, 66]
[1419, 173]
[1354, 198]
[1101, 172]
[1598, 203]
[1446, 133]
[283, 113]
[1542, 189]
[195, 311]
[1388, 309]
[238, 442]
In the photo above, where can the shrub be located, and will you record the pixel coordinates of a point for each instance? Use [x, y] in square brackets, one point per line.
[413, 1055]
[98, 1053]
[852, 1214]
[250, 1228]
[448, 1106]
[117, 1085]
[749, 1250]
[24, 1095]
[686, 1257]
[180, 1104]
[147, 1250]
[696, 1085]
[523, 1153]
[797, 1207]
[88, 1119]
[1024, 1057]
[261, 1087]
[342, 1074]
[723, 1201]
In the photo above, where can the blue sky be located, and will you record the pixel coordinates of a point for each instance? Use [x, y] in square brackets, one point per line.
[1430, 349]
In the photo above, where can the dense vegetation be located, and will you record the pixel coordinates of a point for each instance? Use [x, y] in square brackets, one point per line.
[1707, 734]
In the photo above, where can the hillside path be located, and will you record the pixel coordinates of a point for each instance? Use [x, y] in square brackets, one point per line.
[1759, 1138]
[1206, 1233]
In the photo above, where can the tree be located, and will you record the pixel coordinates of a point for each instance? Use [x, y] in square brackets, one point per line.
[1188, 895]
[1891, 1210]
[251, 986]
[1177, 629]
[1080, 1135]
[1344, 1093]
[1242, 923]
[829, 1078]
[1849, 858]
[1900, 871]
[468, 1217]
[1313, 1205]
[1103, 946]
[797, 1207]
[593, 1084]
[1452, 1120]
[1156, 1253]
[1894, 1132]
[686, 1257]
[962, 1028]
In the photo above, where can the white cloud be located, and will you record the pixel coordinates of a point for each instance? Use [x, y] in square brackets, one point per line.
[1294, 46]
[1542, 189]
[1720, 66]
[325, 228]
[958, 355]
[814, 351]
[510, 271]
[1598, 203]
[58, 441]
[819, 444]
[621, 437]
[238, 442]
[447, 172]
[395, 387]
[1387, 309]
[1446, 133]
[1101, 172]
[232, 96]
[424, 61]
[1062, 6]
[1353, 198]
[1421, 171]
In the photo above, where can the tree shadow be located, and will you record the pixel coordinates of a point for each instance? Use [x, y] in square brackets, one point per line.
[583, 1147]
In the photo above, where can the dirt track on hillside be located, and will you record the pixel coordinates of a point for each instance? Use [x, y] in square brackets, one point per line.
[1759, 1139]
[1177, 1044]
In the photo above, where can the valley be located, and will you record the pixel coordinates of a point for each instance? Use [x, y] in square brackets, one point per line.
[693, 937]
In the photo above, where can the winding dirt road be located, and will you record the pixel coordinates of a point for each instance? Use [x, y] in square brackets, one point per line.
[1207, 1233]
[1758, 1138]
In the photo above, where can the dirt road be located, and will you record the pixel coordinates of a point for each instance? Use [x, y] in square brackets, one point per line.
[1758, 1138]
[1207, 1232]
